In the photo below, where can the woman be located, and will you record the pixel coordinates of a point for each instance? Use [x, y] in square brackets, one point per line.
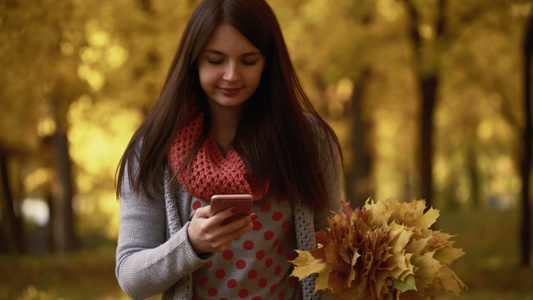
[232, 118]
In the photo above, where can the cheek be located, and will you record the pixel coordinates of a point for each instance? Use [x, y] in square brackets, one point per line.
[255, 78]
[260, 73]
[207, 78]
[257, 81]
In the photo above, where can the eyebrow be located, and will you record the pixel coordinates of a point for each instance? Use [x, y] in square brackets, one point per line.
[251, 53]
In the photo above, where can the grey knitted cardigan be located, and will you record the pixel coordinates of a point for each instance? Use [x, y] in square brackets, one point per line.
[154, 255]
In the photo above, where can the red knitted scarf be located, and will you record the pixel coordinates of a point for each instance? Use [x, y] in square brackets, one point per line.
[210, 173]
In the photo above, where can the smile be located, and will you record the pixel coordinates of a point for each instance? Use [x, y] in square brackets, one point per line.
[230, 91]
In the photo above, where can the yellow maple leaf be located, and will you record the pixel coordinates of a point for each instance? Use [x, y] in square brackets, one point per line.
[306, 264]
[429, 218]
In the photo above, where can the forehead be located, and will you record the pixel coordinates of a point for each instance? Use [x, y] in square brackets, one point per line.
[228, 40]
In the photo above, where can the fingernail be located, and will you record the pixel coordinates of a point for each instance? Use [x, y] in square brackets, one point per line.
[254, 217]
[234, 210]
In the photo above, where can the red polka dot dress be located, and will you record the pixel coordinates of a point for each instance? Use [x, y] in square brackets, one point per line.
[256, 265]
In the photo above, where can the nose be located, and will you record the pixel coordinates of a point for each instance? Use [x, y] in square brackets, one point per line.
[231, 73]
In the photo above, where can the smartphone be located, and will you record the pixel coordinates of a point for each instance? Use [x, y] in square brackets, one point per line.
[243, 202]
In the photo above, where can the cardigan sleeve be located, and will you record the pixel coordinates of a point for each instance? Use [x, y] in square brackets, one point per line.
[147, 263]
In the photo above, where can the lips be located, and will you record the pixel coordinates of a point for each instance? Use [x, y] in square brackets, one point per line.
[230, 91]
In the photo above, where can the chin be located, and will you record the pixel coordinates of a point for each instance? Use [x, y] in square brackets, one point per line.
[228, 103]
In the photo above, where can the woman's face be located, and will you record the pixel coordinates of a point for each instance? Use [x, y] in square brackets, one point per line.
[229, 67]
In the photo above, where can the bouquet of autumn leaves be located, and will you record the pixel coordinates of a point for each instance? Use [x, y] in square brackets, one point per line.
[383, 250]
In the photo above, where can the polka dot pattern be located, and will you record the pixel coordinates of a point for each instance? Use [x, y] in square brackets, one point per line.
[257, 226]
[285, 224]
[220, 274]
[232, 283]
[252, 274]
[196, 205]
[248, 245]
[228, 254]
[265, 207]
[243, 293]
[202, 281]
[268, 263]
[255, 266]
[278, 270]
[262, 282]
[269, 235]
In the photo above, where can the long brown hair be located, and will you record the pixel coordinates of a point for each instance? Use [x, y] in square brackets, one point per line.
[275, 135]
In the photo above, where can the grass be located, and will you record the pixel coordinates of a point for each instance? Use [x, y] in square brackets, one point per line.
[87, 274]
[489, 268]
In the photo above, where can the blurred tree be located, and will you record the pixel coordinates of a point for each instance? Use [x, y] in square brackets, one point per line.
[479, 92]
[129, 46]
[450, 44]
[359, 176]
[66, 90]
[3, 241]
[427, 38]
[500, 77]
[38, 85]
[14, 220]
[335, 70]
[68, 53]
[89, 70]
[525, 229]
[487, 78]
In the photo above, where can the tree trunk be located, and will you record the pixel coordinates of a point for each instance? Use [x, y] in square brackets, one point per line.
[525, 232]
[359, 179]
[146, 6]
[428, 88]
[15, 222]
[3, 241]
[473, 175]
[62, 216]
[62, 224]
[50, 229]
[427, 71]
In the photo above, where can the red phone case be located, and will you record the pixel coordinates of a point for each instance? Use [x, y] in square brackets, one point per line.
[243, 202]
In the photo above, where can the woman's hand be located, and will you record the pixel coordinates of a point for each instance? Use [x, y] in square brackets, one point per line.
[207, 235]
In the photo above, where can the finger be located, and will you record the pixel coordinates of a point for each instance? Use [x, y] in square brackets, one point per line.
[240, 226]
[222, 247]
[241, 231]
[222, 215]
[221, 237]
[203, 212]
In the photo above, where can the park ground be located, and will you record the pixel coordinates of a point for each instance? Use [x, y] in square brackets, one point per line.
[489, 268]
